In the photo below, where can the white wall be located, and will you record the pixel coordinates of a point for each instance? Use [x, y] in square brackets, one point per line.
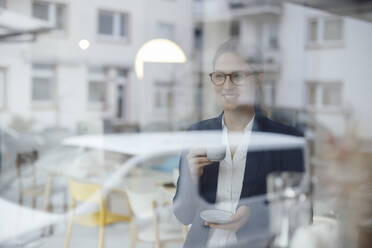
[14, 58]
[289, 88]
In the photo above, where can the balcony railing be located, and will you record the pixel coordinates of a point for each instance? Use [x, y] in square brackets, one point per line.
[226, 10]
[236, 4]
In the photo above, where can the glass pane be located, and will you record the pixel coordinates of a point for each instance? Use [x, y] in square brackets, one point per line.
[96, 91]
[313, 30]
[332, 94]
[312, 94]
[41, 89]
[235, 29]
[166, 31]
[2, 3]
[40, 10]
[333, 29]
[110, 85]
[273, 40]
[158, 100]
[42, 67]
[106, 23]
[170, 99]
[123, 25]
[61, 16]
[198, 38]
[123, 72]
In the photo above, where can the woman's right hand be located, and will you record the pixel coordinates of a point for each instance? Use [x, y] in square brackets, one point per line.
[197, 159]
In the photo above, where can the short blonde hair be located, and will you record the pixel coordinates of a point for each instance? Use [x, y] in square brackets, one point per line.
[249, 52]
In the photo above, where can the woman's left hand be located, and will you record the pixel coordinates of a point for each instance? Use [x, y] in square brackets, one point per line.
[237, 220]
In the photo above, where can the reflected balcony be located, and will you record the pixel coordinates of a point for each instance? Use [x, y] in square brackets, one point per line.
[254, 7]
[217, 10]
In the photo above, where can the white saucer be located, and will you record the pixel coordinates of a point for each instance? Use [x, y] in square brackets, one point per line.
[216, 216]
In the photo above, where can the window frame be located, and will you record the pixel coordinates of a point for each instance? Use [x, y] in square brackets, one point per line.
[162, 88]
[115, 38]
[52, 14]
[320, 41]
[50, 103]
[319, 95]
[95, 77]
[169, 24]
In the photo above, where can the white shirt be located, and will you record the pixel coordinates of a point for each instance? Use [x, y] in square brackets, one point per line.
[230, 183]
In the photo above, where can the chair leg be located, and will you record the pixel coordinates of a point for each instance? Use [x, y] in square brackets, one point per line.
[133, 234]
[133, 243]
[101, 239]
[68, 232]
[65, 204]
[102, 223]
[157, 244]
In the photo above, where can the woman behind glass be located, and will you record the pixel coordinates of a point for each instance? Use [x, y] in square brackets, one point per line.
[237, 79]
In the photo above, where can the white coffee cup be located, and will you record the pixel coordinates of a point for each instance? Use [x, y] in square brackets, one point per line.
[216, 153]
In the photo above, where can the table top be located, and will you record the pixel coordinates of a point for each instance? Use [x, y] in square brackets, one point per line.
[93, 167]
[143, 143]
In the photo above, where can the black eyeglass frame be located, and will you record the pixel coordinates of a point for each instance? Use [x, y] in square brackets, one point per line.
[229, 75]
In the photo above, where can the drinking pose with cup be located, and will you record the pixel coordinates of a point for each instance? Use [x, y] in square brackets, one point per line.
[214, 181]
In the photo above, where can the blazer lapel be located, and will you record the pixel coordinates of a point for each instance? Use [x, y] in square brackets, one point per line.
[252, 163]
[211, 171]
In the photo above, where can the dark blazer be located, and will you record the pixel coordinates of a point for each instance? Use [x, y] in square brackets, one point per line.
[191, 198]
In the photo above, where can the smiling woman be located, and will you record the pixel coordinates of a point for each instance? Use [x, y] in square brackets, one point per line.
[243, 67]
[242, 172]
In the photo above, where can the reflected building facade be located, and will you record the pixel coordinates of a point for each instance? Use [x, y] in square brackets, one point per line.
[81, 76]
[314, 62]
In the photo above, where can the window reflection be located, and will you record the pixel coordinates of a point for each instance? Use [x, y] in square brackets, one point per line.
[106, 92]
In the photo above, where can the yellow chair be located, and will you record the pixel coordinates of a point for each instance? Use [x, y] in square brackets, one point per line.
[90, 193]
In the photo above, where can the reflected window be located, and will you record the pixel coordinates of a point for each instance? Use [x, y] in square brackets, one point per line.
[312, 94]
[54, 13]
[96, 86]
[2, 4]
[313, 30]
[113, 25]
[325, 30]
[235, 29]
[331, 95]
[164, 95]
[333, 29]
[268, 89]
[267, 35]
[166, 31]
[198, 38]
[2, 88]
[324, 94]
[43, 82]
[121, 88]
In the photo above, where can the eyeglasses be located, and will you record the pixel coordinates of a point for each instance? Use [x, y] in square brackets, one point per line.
[238, 77]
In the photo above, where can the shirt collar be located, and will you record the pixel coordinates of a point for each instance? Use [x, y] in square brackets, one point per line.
[248, 127]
